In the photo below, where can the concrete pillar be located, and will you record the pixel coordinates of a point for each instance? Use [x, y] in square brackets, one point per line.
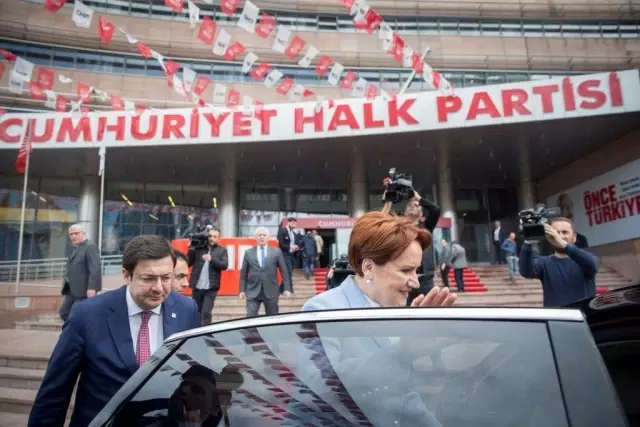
[89, 207]
[445, 187]
[358, 198]
[228, 200]
[526, 198]
[289, 200]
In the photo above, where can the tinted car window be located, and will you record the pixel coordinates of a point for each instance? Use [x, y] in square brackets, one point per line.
[452, 373]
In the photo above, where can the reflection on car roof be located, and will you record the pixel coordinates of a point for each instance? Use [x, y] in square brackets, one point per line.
[479, 313]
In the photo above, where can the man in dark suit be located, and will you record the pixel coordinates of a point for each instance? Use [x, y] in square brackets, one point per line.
[259, 277]
[208, 264]
[288, 245]
[108, 337]
[83, 276]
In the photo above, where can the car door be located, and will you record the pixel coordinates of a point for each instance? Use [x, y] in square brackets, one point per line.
[373, 367]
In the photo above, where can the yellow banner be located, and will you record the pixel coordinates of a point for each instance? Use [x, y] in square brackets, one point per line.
[44, 215]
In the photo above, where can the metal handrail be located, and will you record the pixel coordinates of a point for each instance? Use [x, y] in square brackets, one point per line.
[50, 269]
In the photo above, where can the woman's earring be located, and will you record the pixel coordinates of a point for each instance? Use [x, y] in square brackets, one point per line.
[368, 281]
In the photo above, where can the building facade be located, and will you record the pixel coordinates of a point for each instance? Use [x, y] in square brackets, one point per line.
[477, 174]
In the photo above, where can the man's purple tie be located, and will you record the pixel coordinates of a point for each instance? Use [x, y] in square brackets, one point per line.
[143, 346]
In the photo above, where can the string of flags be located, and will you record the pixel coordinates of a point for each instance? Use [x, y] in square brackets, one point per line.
[187, 83]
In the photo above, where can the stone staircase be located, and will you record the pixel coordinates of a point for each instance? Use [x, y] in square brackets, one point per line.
[524, 292]
[24, 351]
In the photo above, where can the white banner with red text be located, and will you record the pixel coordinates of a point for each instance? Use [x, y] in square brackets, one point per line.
[559, 98]
[605, 209]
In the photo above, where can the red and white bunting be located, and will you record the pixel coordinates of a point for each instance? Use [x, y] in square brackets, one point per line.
[105, 30]
[82, 14]
[222, 42]
[45, 77]
[54, 5]
[309, 56]
[194, 14]
[249, 17]
[249, 59]
[281, 40]
[266, 25]
[176, 5]
[229, 7]
[22, 70]
[207, 30]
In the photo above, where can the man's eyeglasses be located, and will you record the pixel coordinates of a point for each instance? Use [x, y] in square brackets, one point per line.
[152, 280]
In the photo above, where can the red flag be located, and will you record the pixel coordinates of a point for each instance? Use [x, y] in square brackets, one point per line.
[229, 6]
[348, 4]
[348, 80]
[397, 48]
[207, 30]
[84, 92]
[436, 79]
[323, 65]
[372, 92]
[296, 45]
[144, 50]
[418, 63]
[45, 77]
[171, 67]
[233, 51]
[7, 55]
[266, 25]
[372, 20]
[202, 83]
[233, 98]
[61, 103]
[105, 30]
[36, 91]
[54, 5]
[284, 87]
[176, 5]
[116, 103]
[260, 71]
[25, 149]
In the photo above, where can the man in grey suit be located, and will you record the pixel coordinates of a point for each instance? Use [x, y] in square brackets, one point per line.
[83, 277]
[259, 278]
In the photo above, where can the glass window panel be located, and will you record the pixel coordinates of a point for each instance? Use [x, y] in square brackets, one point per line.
[223, 367]
[511, 29]
[430, 28]
[135, 66]
[493, 79]
[610, 31]
[470, 28]
[449, 28]
[629, 31]
[346, 26]
[490, 28]
[38, 55]
[64, 59]
[112, 64]
[88, 61]
[516, 77]
[474, 79]
[139, 9]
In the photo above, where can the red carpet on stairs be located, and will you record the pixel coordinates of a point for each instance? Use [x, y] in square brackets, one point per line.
[318, 277]
[472, 282]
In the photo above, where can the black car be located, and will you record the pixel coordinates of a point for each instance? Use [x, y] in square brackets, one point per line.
[445, 367]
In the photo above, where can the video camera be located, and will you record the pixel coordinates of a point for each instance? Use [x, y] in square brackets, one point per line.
[533, 221]
[398, 187]
[200, 239]
[341, 265]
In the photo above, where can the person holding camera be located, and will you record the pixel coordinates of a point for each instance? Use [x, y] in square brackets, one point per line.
[568, 275]
[339, 271]
[413, 212]
[208, 261]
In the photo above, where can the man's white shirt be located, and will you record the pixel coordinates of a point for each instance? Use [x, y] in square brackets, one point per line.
[156, 330]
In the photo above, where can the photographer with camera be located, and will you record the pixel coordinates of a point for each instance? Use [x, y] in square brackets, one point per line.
[569, 274]
[209, 260]
[398, 188]
[339, 271]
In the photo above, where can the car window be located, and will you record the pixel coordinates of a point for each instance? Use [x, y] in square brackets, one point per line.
[621, 359]
[357, 373]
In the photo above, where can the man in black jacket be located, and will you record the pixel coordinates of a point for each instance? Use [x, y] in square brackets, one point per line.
[208, 264]
[414, 211]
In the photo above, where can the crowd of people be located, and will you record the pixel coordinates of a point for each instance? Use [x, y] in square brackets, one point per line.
[106, 337]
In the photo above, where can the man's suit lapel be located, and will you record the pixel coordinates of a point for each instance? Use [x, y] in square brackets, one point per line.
[75, 251]
[169, 317]
[118, 322]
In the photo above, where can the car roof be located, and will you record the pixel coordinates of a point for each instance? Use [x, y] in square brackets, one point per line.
[451, 313]
[617, 303]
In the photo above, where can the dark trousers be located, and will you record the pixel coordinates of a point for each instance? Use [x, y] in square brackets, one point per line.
[270, 305]
[425, 285]
[205, 298]
[289, 258]
[458, 274]
[65, 308]
[444, 275]
[498, 256]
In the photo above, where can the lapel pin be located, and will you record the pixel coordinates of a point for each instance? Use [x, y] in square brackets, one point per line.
[173, 315]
